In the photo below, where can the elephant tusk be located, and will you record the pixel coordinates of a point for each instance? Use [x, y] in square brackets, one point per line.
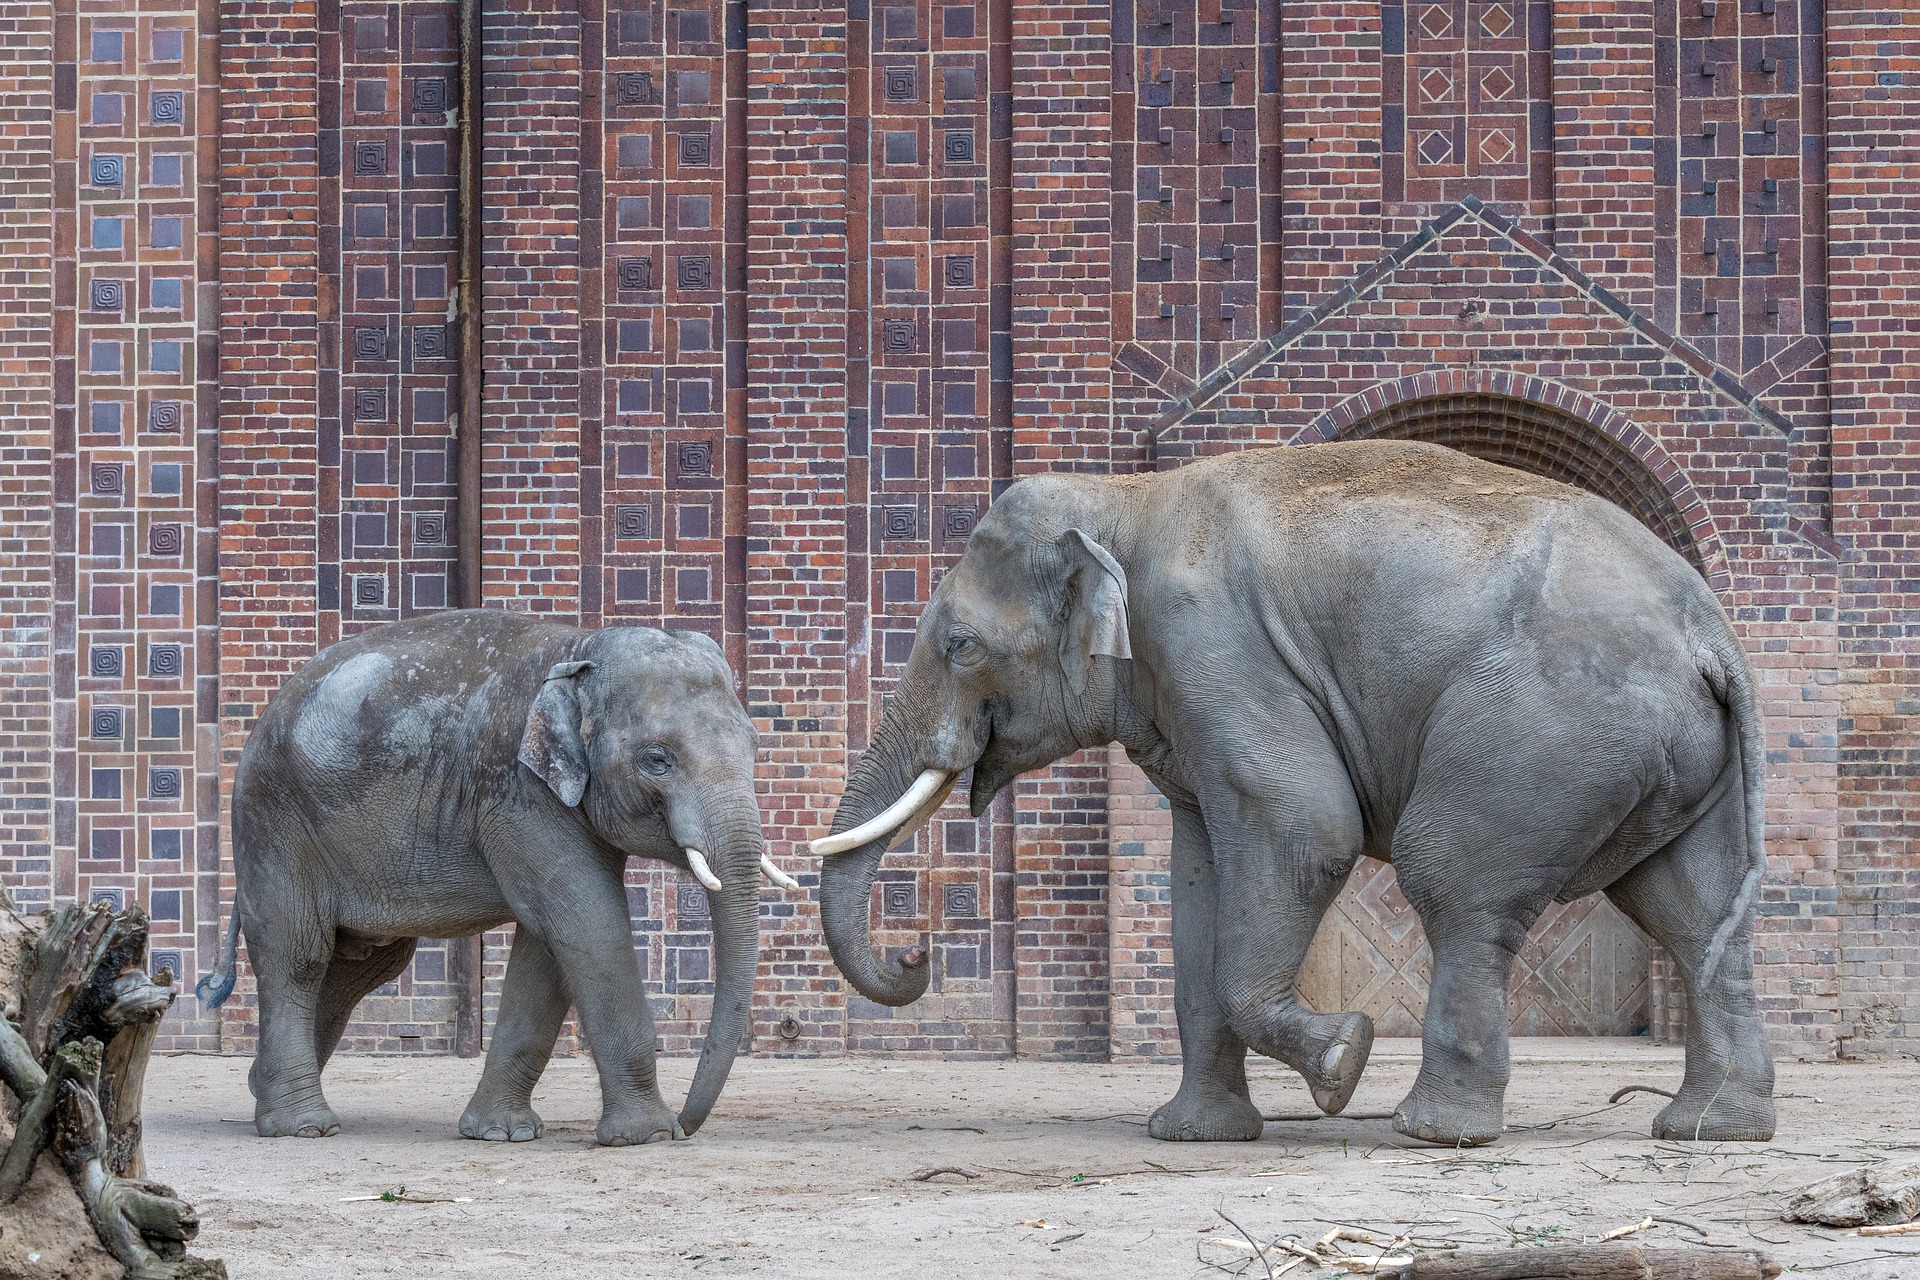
[701, 871]
[776, 875]
[924, 787]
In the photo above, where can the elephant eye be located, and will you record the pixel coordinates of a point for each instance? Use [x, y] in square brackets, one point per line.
[963, 649]
[656, 760]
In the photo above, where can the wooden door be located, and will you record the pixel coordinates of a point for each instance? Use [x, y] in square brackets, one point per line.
[1583, 971]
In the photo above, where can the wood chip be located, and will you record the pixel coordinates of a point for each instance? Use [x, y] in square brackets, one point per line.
[1893, 1229]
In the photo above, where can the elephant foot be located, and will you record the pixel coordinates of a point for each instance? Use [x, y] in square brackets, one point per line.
[296, 1122]
[1348, 1038]
[1206, 1115]
[1736, 1114]
[1451, 1122]
[635, 1125]
[498, 1122]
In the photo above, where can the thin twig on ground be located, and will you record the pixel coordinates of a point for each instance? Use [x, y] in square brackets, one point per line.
[1258, 1252]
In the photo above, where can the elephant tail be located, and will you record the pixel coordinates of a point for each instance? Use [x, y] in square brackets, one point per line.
[1723, 664]
[214, 989]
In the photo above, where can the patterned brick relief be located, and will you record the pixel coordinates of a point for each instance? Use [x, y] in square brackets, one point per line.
[1196, 161]
[1466, 101]
[665, 235]
[128, 660]
[921, 324]
[1739, 162]
[388, 408]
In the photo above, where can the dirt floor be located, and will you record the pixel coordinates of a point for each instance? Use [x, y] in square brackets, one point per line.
[807, 1169]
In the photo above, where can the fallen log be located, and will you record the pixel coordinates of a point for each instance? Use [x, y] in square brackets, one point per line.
[78, 1016]
[1590, 1262]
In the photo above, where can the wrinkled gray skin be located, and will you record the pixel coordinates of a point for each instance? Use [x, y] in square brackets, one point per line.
[1505, 686]
[440, 776]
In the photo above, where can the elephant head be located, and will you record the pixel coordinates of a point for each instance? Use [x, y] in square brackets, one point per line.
[1004, 677]
[642, 736]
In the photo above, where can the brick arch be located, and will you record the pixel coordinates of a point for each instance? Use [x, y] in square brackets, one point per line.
[1546, 429]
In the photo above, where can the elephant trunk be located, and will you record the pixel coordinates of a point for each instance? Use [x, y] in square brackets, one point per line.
[884, 774]
[734, 851]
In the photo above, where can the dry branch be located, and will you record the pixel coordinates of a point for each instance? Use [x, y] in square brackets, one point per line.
[1591, 1262]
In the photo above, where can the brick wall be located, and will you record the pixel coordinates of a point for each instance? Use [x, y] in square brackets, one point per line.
[777, 300]
[26, 456]
[1873, 218]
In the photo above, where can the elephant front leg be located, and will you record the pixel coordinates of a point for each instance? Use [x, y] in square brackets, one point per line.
[1282, 861]
[533, 1004]
[1213, 1104]
[577, 906]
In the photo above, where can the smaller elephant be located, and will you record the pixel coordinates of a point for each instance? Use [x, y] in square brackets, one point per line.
[440, 776]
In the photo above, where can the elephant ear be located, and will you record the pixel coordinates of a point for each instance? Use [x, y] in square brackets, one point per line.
[552, 746]
[1096, 610]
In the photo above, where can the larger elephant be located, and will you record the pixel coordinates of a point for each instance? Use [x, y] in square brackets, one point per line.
[439, 776]
[1505, 686]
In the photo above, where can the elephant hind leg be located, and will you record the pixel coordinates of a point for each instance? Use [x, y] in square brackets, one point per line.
[348, 982]
[1480, 853]
[291, 950]
[1683, 896]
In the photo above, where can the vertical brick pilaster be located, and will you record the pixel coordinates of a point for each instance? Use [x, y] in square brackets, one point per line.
[270, 593]
[26, 454]
[1139, 916]
[1873, 188]
[533, 291]
[1332, 144]
[797, 467]
[1062, 421]
[1603, 143]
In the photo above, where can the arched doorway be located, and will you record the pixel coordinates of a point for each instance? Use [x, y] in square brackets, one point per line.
[1584, 970]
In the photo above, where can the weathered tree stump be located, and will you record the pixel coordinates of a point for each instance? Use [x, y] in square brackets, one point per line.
[78, 1015]
[1591, 1262]
[1879, 1195]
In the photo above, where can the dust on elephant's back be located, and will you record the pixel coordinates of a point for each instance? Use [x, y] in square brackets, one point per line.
[347, 719]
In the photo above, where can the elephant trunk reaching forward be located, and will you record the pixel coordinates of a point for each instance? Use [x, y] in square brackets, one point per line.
[1503, 685]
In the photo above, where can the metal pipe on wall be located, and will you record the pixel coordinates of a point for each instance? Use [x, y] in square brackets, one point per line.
[465, 956]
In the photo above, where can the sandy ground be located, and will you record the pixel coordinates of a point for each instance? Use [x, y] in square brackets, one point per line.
[806, 1169]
